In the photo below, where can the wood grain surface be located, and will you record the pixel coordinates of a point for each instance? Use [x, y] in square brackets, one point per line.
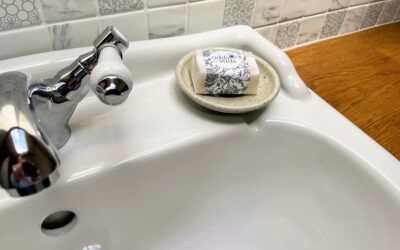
[359, 75]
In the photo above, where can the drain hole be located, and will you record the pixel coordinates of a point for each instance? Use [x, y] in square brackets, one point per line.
[58, 223]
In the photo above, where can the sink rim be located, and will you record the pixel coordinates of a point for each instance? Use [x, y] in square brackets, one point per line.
[295, 103]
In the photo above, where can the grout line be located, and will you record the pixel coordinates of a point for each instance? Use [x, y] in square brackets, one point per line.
[187, 18]
[39, 6]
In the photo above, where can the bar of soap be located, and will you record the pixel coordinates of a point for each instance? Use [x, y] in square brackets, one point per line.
[224, 72]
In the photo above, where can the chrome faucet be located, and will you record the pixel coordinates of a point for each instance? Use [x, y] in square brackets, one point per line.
[34, 119]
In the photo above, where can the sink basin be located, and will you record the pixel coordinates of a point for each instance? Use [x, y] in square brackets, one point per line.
[160, 172]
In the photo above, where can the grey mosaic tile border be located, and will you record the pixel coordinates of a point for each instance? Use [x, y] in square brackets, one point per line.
[287, 34]
[371, 17]
[238, 12]
[108, 7]
[389, 11]
[333, 22]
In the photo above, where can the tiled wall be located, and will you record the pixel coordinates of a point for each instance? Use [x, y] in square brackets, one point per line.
[33, 26]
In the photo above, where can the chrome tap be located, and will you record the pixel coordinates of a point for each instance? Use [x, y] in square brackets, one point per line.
[34, 119]
[54, 100]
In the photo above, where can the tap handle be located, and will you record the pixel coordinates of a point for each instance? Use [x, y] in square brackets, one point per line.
[111, 80]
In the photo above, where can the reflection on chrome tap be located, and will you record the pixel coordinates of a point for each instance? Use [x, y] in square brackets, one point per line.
[92, 247]
[27, 161]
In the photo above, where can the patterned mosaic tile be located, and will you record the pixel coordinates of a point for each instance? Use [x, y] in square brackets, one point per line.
[16, 14]
[238, 12]
[371, 17]
[117, 6]
[287, 33]
[389, 11]
[333, 23]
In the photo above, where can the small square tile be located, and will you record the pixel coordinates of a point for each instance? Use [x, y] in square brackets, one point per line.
[311, 29]
[118, 6]
[205, 15]
[132, 24]
[359, 2]
[318, 6]
[18, 14]
[62, 10]
[163, 3]
[24, 42]
[388, 12]
[269, 32]
[332, 24]
[167, 22]
[352, 21]
[293, 9]
[287, 34]
[238, 12]
[397, 17]
[267, 12]
[339, 4]
[371, 17]
[74, 34]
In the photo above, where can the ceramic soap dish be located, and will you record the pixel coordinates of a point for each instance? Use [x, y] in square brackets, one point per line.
[268, 88]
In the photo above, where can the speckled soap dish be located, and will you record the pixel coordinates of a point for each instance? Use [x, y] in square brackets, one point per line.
[268, 88]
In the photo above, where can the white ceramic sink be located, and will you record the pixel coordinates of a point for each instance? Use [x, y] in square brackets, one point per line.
[160, 172]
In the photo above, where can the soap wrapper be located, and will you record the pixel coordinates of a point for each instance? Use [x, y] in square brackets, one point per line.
[224, 72]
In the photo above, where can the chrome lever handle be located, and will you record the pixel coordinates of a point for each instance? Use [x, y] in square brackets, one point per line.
[111, 36]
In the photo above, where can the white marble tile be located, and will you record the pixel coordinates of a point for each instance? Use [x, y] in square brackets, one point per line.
[267, 12]
[359, 2]
[74, 34]
[339, 4]
[293, 9]
[397, 16]
[167, 21]
[61, 10]
[161, 3]
[24, 42]
[205, 15]
[311, 28]
[354, 17]
[317, 6]
[133, 24]
[269, 32]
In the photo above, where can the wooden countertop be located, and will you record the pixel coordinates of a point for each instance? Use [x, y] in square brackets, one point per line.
[359, 75]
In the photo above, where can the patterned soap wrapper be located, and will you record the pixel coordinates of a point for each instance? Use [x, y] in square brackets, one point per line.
[225, 72]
